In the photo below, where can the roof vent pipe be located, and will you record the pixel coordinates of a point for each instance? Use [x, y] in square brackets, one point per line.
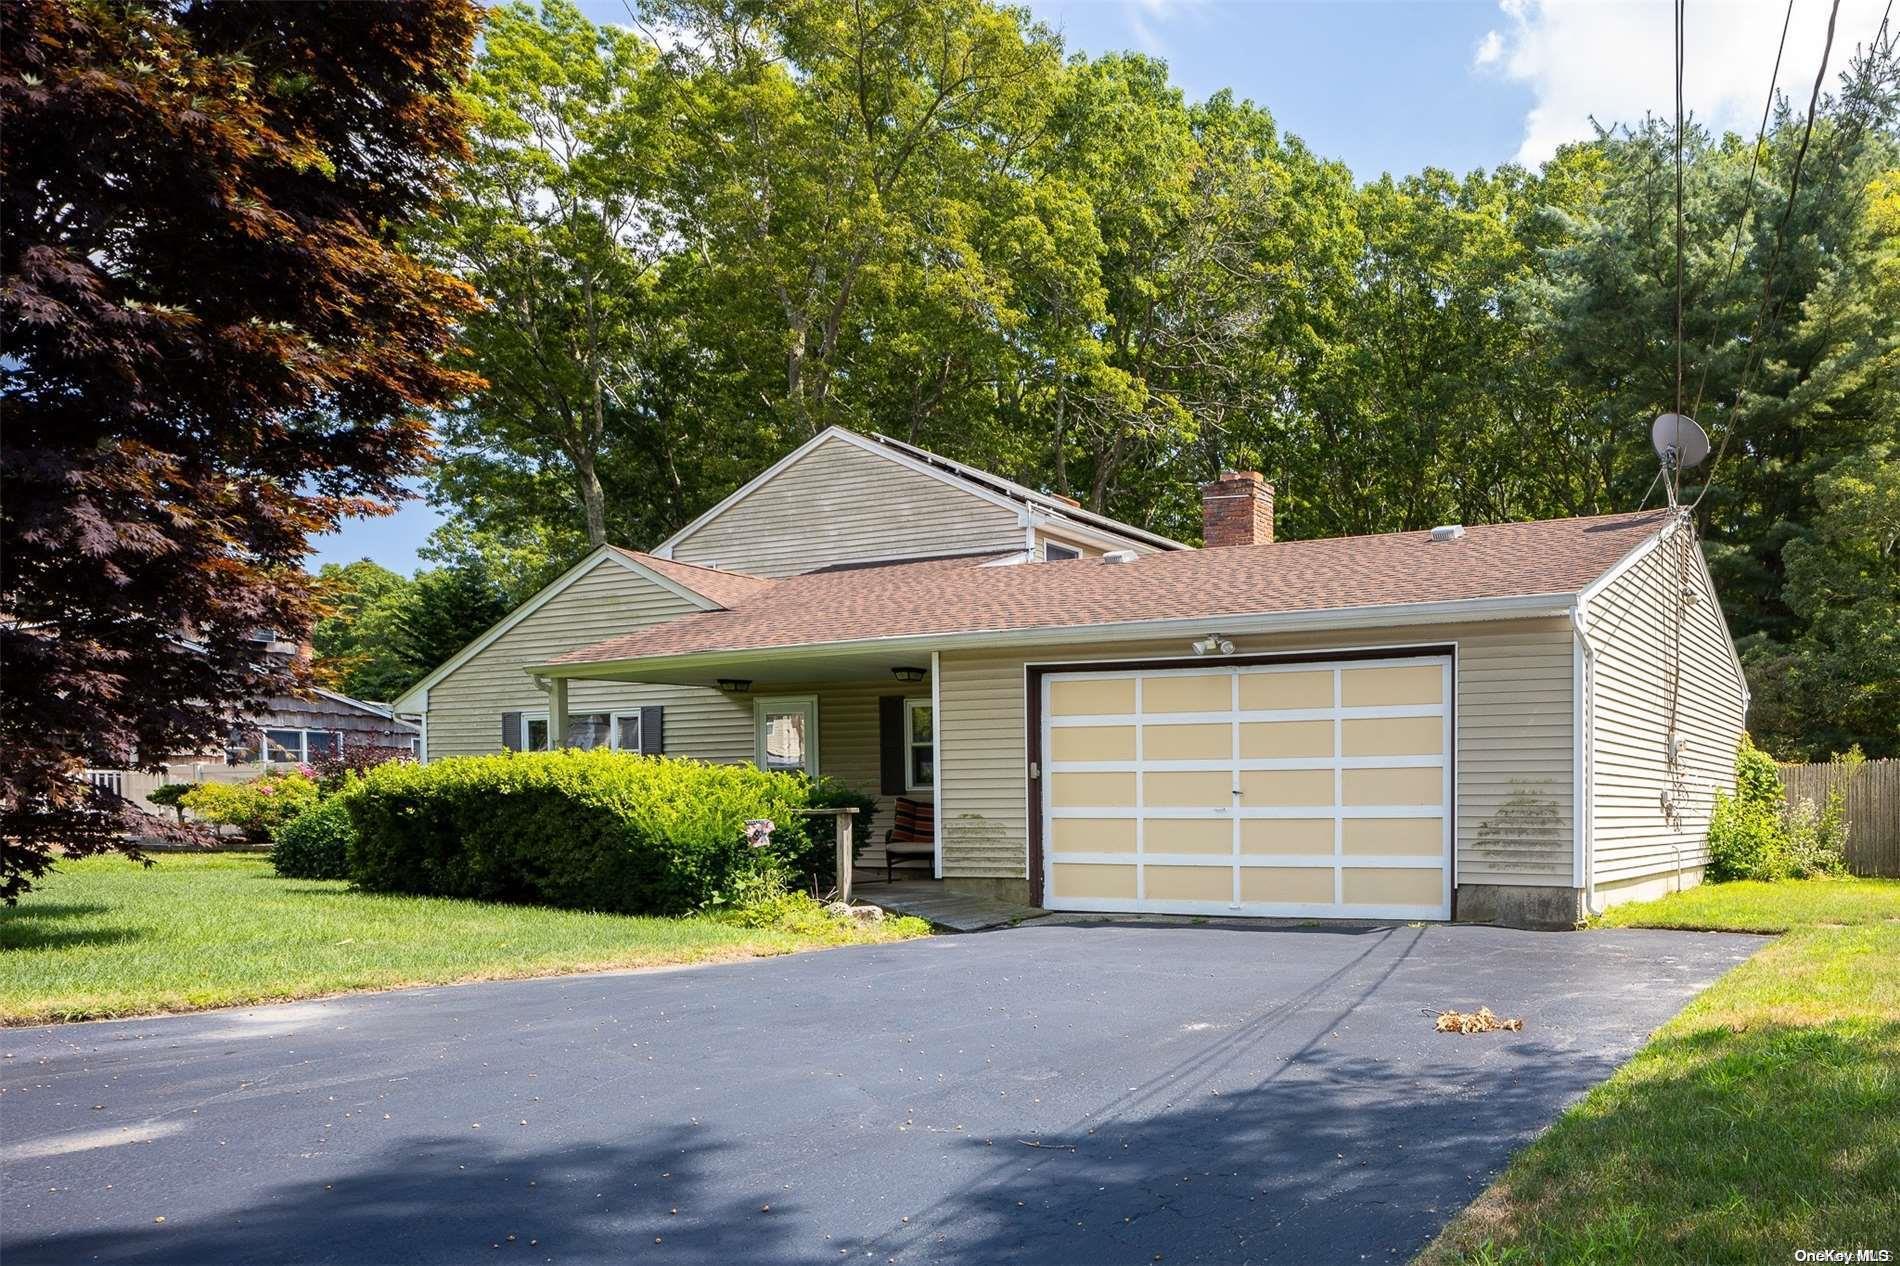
[1448, 532]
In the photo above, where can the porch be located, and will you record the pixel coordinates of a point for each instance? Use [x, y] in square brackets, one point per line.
[867, 722]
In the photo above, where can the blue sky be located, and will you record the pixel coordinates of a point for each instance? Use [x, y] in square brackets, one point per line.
[1396, 87]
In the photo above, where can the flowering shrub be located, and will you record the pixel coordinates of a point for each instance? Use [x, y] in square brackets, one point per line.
[254, 807]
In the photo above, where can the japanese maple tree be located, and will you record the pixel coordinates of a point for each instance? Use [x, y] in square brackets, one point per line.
[214, 346]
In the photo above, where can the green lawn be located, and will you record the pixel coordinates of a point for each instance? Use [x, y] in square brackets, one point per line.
[104, 937]
[1763, 1119]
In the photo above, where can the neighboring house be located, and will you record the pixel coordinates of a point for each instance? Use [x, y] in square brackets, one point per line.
[1516, 722]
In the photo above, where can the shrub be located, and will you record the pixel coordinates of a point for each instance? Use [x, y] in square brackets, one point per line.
[316, 843]
[169, 795]
[1756, 834]
[592, 830]
[255, 807]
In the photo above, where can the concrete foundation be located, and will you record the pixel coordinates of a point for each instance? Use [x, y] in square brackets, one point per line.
[1647, 887]
[1012, 890]
[1518, 905]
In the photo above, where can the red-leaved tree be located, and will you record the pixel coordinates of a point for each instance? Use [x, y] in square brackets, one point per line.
[212, 345]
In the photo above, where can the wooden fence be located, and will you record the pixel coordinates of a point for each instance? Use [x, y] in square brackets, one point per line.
[1873, 808]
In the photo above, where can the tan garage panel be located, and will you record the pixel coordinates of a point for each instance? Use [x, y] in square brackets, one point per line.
[1187, 692]
[1394, 837]
[1267, 836]
[1264, 690]
[1092, 742]
[1307, 884]
[1092, 697]
[1389, 687]
[1187, 789]
[1266, 740]
[1391, 886]
[1187, 742]
[1393, 786]
[1187, 835]
[1391, 736]
[1082, 791]
[1279, 788]
[1188, 883]
[1079, 879]
[1092, 835]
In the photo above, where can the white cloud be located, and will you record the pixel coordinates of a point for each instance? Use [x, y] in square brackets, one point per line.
[1614, 60]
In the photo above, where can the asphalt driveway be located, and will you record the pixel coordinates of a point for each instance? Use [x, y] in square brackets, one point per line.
[1058, 1092]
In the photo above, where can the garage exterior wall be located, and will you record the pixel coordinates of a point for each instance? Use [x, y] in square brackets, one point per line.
[842, 504]
[1629, 621]
[1515, 729]
[465, 707]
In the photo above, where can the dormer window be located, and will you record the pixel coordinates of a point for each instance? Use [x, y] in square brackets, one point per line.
[1054, 553]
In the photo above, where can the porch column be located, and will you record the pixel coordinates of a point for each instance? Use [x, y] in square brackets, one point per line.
[557, 713]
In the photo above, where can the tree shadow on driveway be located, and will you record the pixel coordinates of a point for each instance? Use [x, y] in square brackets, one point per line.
[449, 1201]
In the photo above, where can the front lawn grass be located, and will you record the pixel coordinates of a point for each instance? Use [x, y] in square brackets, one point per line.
[104, 937]
[1763, 1119]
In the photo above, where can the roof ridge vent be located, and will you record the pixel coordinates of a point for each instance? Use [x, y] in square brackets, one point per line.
[1120, 556]
[1448, 532]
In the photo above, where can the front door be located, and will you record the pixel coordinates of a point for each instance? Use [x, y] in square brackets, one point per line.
[787, 740]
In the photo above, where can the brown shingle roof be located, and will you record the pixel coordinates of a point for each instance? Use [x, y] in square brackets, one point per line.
[962, 595]
[727, 588]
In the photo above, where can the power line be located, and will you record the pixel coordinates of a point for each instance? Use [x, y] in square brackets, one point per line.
[1748, 188]
[1679, 61]
[1762, 310]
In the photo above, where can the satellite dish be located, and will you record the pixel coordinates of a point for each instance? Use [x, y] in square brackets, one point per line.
[1679, 441]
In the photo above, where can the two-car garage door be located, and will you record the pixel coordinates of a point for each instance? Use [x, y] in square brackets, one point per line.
[1305, 789]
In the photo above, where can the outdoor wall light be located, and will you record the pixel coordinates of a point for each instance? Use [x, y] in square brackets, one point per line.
[910, 675]
[1211, 643]
[735, 685]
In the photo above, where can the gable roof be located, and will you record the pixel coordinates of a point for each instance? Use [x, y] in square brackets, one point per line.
[707, 588]
[1490, 567]
[1034, 507]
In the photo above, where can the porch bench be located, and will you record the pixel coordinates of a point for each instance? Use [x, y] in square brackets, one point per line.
[913, 838]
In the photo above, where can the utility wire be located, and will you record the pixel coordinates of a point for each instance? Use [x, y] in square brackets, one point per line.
[1679, 61]
[1748, 195]
[1762, 310]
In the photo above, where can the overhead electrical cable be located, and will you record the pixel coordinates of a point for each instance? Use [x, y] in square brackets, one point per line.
[1763, 310]
[1748, 199]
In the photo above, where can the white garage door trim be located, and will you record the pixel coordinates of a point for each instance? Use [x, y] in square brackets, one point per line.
[1338, 859]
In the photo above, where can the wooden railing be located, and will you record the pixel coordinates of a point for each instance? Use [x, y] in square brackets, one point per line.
[843, 817]
[1872, 800]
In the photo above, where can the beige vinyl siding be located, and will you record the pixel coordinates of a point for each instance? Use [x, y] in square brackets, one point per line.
[1629, 623]
[841, 504]
[1514, 725]
[465, 707]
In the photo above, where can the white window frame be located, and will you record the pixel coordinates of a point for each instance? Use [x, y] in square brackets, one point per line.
[613, 730]
[303, 743]
[1068, 551]
[911, 745]
[522, 737]
[770, 705]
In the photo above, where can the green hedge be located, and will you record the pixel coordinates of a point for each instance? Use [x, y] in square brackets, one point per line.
[316, 843]
[596, 830]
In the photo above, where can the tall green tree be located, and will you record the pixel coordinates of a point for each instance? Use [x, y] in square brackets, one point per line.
[557, 222]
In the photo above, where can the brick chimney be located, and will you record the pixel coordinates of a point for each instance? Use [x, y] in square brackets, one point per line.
[1237, 509]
